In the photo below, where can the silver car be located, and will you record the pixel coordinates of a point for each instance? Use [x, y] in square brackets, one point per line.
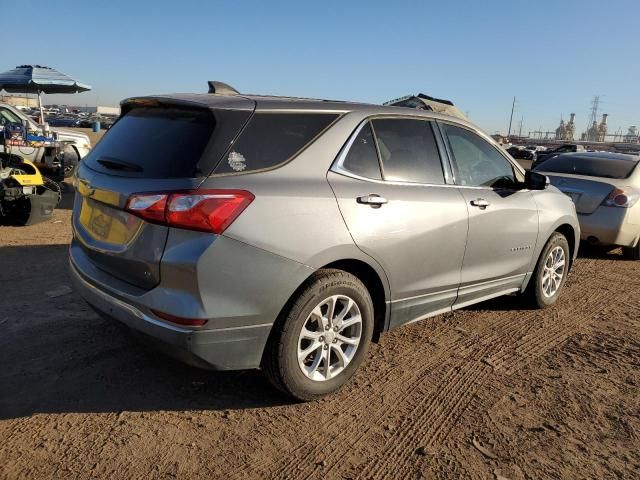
[286, 234]
[605, 188]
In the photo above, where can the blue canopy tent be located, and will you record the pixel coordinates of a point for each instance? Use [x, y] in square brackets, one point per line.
[38, 79]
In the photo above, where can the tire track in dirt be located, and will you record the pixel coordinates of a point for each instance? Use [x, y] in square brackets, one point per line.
[503, 327]
[547, 336]
[449, 343]
[531, 345]
[449, 348]
[302, 466]
[436, 416]
[356, 401]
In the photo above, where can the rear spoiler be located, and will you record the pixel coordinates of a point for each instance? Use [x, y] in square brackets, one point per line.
[179, 100]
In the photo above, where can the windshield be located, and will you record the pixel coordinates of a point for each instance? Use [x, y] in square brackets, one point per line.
[589, 166]
[7, 116]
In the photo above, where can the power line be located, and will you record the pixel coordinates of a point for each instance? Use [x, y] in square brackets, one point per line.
[513, 106]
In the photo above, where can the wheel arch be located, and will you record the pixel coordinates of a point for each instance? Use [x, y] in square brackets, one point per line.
[572, 239]
[374, 284]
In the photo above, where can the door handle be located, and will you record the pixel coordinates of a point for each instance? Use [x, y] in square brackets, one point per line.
[480, 202]
[376, 201]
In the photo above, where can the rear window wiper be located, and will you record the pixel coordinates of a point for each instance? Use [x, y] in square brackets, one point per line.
[115, 164]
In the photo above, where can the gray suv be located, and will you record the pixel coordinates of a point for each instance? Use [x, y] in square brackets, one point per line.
[286, 234]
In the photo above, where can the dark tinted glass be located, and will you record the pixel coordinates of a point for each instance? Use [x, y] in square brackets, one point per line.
[273, 138]
[409, 151]
[362, 158]
[478, 163]
[156, 143]
[588, 166]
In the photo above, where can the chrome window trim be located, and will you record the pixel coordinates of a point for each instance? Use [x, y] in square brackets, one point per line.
[338, 164]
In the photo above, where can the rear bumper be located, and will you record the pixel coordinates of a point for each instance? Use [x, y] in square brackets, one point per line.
[609, 226]
[231, 348]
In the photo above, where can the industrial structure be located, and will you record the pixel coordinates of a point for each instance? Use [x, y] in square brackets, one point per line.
[566, 132]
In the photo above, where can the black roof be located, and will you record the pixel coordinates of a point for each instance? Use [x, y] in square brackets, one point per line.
[602, 155]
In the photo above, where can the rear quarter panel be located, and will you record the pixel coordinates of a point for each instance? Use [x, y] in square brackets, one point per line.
[295, 213]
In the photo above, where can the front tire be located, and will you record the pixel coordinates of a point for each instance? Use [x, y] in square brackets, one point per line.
[550, 273]
[322, 337]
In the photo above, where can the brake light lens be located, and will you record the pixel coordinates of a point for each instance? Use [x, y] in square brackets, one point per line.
[622, 197]
[203, 210]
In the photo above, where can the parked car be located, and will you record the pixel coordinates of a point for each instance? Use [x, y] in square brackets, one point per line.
[64, 122]
[605, 188]
[79, 142]
[285, 234]
[105, 122]
[524, 156]
[566, 148]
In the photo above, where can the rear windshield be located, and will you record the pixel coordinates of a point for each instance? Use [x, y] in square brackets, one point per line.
[588, 166]
[271, 139]
[166, 142]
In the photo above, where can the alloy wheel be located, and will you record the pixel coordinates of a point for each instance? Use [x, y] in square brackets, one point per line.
[329, 338]
[554, 270]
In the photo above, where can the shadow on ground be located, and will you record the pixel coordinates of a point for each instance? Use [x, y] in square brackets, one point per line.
[59, 356]
[68, 192]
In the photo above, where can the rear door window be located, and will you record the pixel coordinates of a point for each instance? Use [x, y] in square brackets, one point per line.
[408, 151]
[271, 139]
[166, 142]
[362, 158]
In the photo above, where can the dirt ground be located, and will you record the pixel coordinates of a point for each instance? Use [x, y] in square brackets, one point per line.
[492, 391]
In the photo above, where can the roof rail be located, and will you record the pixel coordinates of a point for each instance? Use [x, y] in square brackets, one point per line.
[221, 88]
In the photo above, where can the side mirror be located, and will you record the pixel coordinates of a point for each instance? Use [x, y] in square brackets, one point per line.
[535, 180]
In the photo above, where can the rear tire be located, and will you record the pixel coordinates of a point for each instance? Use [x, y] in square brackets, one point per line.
[632, 253]
[70, 162]
[331, 306]
[551, 272]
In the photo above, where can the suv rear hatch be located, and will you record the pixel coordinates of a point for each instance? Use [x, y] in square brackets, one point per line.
[159, 144]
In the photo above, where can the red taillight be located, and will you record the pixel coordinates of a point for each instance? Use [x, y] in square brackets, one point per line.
[622, 197]
[205, 210]
[190, 322]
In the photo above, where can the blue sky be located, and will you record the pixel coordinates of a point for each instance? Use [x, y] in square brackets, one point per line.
[554, 56]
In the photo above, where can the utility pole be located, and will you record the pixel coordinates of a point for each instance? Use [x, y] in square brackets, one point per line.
[513, 106]
[520, 132]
